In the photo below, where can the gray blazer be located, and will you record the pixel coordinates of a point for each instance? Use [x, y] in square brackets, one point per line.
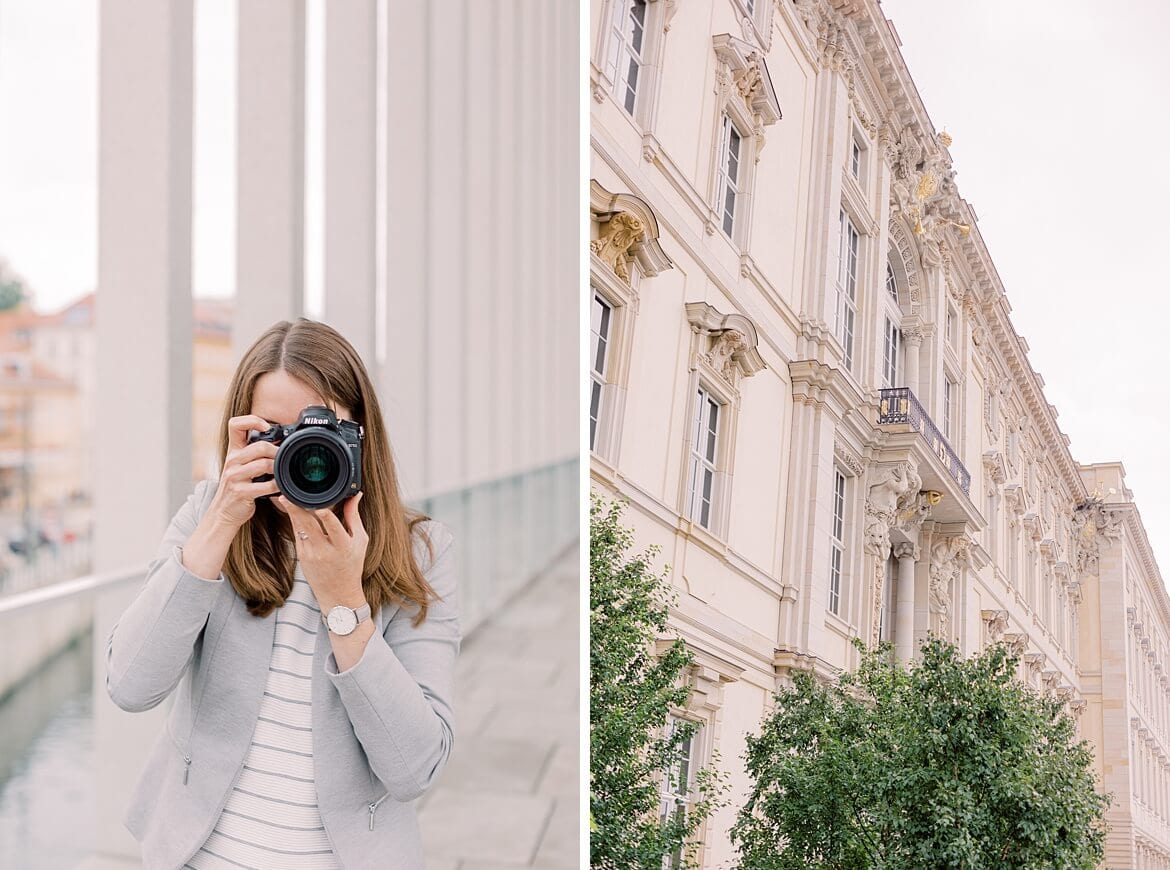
[382, 731]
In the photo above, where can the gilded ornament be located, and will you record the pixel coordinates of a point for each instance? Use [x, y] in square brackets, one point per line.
[620, 233]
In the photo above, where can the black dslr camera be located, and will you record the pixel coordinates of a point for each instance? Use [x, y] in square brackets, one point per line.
[319, 460]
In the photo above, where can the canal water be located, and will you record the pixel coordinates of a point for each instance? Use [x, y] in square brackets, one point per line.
[46, 765]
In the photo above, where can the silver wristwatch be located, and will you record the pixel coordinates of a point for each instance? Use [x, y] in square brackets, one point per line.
[343, 620]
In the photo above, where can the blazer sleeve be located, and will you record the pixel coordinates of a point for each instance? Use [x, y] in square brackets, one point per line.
[398, 694]
[153, 641]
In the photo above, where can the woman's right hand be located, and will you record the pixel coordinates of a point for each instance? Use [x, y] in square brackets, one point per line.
[235, 499]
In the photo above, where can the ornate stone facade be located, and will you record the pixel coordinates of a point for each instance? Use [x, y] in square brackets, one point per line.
[831, 465]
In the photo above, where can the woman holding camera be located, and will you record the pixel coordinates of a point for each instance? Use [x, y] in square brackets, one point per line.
[311, 651]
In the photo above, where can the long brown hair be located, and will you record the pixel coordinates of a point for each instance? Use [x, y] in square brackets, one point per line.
[259, 561]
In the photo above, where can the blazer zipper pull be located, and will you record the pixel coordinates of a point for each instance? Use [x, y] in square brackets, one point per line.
[186, 767]
[373, 807]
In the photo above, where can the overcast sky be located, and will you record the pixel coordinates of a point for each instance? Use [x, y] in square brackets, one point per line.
[1057, 111]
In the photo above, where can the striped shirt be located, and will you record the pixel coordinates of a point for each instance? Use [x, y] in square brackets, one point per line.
[271, 817]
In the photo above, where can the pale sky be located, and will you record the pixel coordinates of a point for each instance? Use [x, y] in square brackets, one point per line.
[1057, 111]
[48, 148]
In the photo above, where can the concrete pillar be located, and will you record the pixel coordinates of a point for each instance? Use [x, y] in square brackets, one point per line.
[405, 382]
[143, 326]
[445, 135]
[482, 159]
[270, 167]
[907, 556]
[351, 107]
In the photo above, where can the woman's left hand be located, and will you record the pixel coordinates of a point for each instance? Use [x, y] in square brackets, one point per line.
[332, 556]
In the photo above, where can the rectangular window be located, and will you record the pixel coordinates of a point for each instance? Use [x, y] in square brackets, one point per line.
[855, 159]
[838, 542]
[628, 32]
[677, 782]
[952, 319]
[704, 447]
[729, 171]
[600, 321]
[847, 287]
[893, 337]
[948, 409]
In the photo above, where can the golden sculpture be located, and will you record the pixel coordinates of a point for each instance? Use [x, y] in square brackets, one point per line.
[620, 233]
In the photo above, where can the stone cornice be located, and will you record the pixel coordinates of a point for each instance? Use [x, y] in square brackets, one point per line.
[873, 43]
[1151, 575]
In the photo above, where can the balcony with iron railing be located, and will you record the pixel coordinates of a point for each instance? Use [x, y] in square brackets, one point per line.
[899, 406]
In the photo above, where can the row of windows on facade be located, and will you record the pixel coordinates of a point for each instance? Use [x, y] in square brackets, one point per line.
[627, 39]
[625, 63]
[707, 428]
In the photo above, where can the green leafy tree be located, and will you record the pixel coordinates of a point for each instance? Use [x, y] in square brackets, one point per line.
[949, 762]
[632, 691]
[12, 287]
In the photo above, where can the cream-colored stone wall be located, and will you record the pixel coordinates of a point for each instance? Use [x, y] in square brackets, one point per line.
[752, 317]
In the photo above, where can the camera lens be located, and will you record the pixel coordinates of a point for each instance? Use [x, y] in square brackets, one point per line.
[314, 468]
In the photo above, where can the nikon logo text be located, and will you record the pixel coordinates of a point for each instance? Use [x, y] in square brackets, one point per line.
[320, 421]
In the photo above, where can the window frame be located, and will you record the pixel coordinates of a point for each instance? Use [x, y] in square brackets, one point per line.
[834, 589]
[599, 377]
[669, 797]
[727, 184]
[621, 47]
[845, 284]
[609, 50]
[703, 400]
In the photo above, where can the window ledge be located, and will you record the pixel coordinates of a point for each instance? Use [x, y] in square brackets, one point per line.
[703, 537]
[839, 625]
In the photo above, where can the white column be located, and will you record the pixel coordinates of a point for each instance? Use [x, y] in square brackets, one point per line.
[446, 323]
[484, 225]
[913, 340]
[510, 244]
[143, 327]
[907, 556]
[351, 68]
[270, 167]
[405, 381]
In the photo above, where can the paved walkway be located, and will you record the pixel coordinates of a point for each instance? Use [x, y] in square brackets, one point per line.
[510, 795]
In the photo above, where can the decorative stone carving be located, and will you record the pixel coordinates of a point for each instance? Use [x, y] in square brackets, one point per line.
[1034, 661]
[627, 231]
[1016, 643]
[723, 348]
[906, 252]
[1031, 523]
[1093, 523]
[616, 237]
[892, 489]
[906, 550]
[730, 342]
[994, 464]
[947, 558]
[848, 459]
[915, 512]
[996, 622]
[749, 80]
[747, 73]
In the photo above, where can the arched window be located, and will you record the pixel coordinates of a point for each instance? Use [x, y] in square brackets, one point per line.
[892, 369]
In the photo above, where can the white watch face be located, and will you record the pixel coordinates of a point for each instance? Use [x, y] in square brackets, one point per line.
[341, 620]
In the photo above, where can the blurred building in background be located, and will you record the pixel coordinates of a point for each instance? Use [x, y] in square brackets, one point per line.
[447, 237]
[806, 382]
